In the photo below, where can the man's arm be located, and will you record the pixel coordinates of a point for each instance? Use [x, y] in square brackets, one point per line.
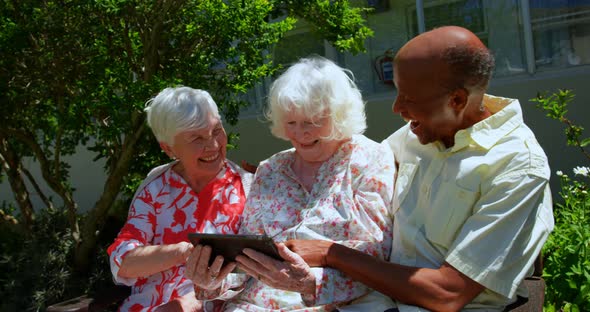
[442, 289]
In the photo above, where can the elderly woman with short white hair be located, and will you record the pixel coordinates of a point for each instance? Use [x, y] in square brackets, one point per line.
[199, 191]
[334, 184]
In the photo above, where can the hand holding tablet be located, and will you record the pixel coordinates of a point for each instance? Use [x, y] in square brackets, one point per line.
[229, 245]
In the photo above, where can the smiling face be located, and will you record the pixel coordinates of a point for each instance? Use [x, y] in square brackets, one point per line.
[200, 151]
[426, 104]
[307, 136]
[430, 95]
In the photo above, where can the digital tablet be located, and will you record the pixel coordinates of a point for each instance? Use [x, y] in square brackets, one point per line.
[229, 246]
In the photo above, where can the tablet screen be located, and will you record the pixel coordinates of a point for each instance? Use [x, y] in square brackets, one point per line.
[229, 246]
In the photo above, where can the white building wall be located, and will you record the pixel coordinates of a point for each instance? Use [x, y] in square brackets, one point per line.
[88, 179]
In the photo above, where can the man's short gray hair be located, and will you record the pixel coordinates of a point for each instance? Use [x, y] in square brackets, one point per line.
[470, 68]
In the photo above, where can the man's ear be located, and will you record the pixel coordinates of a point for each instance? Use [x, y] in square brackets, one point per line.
[459, 99]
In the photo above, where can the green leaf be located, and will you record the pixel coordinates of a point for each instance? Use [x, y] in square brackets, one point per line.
[575, 308]
[585, 142]
[572, 284]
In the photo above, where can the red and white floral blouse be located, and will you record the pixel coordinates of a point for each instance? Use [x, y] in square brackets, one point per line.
[165, 209]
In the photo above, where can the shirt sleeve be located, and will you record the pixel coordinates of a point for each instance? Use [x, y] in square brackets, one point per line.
[137, 231]
[498, 244]
[371, 229]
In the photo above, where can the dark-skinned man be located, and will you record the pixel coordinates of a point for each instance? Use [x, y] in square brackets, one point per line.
[472, 205]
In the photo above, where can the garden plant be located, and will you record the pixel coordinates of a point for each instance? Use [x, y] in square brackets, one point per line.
[567, 251]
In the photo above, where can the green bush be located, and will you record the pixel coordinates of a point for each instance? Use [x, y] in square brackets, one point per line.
[567, 261]
[36, 271]
[567, 264]
[35, 268]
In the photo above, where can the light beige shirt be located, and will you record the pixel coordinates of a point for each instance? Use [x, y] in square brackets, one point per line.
[483, 205]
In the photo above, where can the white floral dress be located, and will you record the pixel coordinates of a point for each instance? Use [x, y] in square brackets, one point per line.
[349, 204]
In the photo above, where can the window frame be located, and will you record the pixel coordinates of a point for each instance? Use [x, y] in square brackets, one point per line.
[415, 14]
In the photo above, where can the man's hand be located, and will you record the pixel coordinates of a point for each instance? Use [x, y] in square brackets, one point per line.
[313, 252]
[293, 274]
[248, 166]
[203, 275]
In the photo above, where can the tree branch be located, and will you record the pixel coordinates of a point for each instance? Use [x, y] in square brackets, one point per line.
[58, 138]
[11, 163]
[96, 217]
[33, 182]
[28, 139]
[151, 39]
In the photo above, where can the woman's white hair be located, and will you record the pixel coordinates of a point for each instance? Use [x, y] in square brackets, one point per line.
[316, 87]
[178, 109]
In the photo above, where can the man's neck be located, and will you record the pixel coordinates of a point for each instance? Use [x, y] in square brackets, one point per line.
[469, 121]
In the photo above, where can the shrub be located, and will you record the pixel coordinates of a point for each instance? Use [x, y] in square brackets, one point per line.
[36, 270]
[567, 261]
[567, 264]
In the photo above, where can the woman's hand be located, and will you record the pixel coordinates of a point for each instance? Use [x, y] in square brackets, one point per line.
[203, 275]
[293, 274]
[313, 252]
[183, 250]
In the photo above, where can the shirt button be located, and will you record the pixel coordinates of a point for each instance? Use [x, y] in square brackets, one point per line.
[425, 189]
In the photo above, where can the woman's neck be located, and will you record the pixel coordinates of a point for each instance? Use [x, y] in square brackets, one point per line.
[196, 182]
[306, 171]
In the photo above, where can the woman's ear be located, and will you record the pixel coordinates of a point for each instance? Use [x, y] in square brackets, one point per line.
[168, 150]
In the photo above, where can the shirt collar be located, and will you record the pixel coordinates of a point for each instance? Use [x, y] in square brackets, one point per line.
[506, 116]
[169, 174]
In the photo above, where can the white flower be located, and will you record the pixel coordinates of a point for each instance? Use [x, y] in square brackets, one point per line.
[559, 173]
[584, 192]
[583, 171]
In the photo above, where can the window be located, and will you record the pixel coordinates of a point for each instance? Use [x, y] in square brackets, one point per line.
[561, 32]
[465, 13]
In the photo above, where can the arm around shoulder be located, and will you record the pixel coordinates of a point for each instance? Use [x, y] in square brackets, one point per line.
[442, 289]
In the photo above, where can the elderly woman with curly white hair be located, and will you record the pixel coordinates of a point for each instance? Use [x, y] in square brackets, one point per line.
[334, 184]
[199, 191]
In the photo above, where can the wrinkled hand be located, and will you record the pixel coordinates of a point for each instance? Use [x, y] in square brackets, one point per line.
[203, 275]
[313, 252]
[183, 250]
[293, 274]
